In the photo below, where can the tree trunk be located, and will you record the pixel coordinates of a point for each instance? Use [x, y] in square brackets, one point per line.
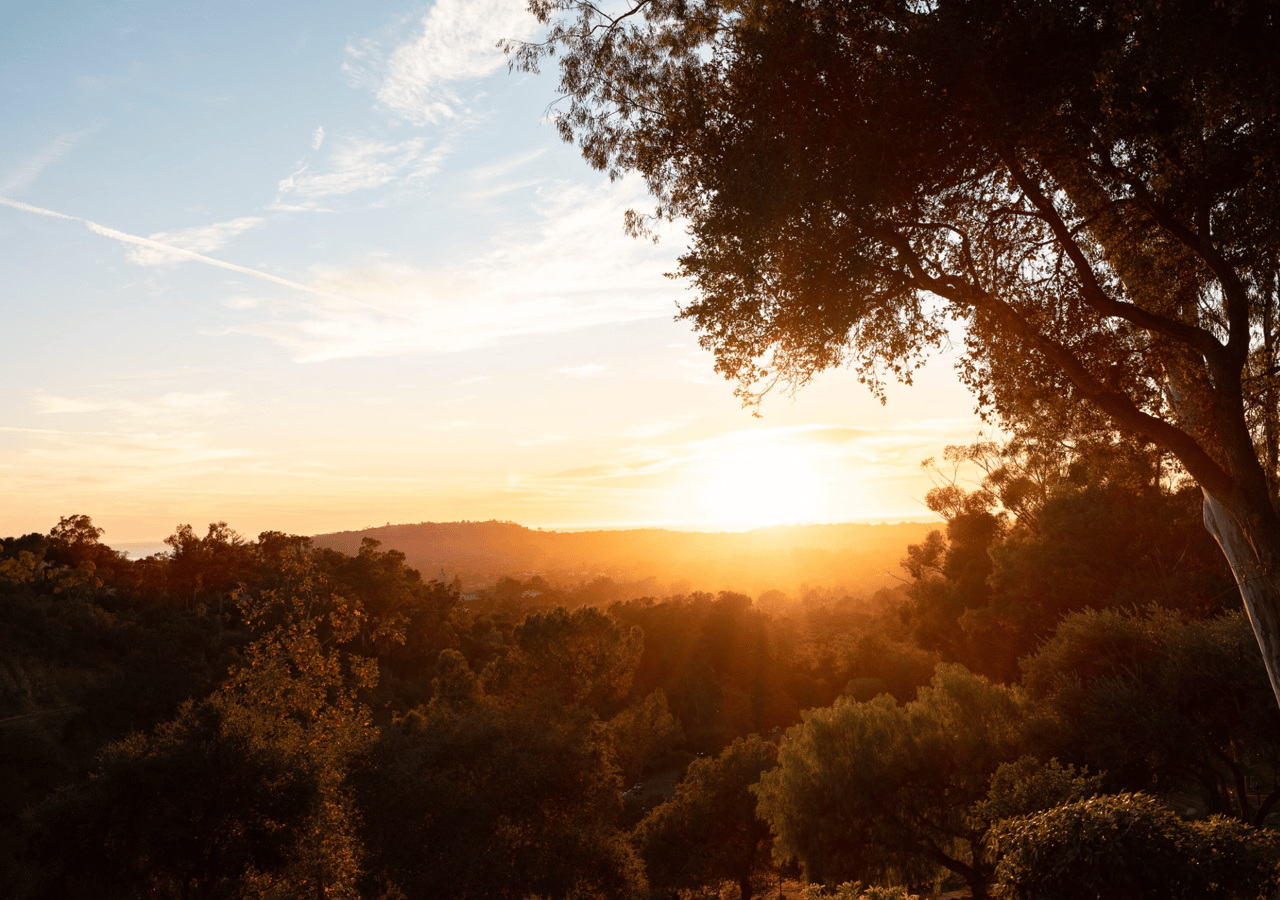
[1251, 557]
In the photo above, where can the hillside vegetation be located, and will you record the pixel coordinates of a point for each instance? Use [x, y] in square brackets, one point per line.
[851, 558]
[1061, 692]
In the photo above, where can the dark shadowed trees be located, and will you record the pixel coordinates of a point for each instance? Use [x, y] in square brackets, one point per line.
[1164, 706]
[512, 797]
[1090, 189]
[709, 832]
[583, 658]
[209, 801]
[243, 793]
[1048, 532]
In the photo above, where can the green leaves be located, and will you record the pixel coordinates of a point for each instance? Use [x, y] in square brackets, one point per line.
[863, 789]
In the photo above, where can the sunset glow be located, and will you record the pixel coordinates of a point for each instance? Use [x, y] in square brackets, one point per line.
[313, 267]
[765, 486]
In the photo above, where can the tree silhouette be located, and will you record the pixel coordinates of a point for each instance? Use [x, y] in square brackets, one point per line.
[1089, 188]
[509, 797]
[709, 832]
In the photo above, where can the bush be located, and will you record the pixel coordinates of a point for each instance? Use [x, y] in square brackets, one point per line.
[853, 890]
[1130, 846]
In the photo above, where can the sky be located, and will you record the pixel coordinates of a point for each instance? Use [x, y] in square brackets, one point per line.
[320, 266]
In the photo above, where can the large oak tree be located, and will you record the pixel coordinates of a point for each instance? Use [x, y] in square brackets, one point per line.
[1089, 189]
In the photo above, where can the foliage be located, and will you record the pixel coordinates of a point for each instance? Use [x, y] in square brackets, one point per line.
[854, 890]
[243, 794]
[471, 798]
[1130, 846]
[206, 570]
[585, 658]
[709, 832]
[1028, 786]
[877, 789]
[729, 668]
[1163, 704]
[641, 734]
[1089, 527]
[1088, 189]
[211, 802]
[496, 771]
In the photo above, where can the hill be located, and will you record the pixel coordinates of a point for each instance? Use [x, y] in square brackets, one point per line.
[850, 557]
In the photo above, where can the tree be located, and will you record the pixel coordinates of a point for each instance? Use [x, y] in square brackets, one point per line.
[208, 802]
[206, 569]
[875, 789]
[469, 797]
[243, 794]
[74, 540]
[642, 734]
[708, 831]
[79, 557]
[1050, 531]
[1129, 846]
[1163, 705]
[1089, 188]
[584, 658]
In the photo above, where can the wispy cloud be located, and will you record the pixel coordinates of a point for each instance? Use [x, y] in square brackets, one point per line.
[317, 138]
[29, 170]
[457, 43]
[39, 211]
[200, 239]
[549, 438]
[505, 167]
[574, 268]
[885, 450]
[652, 429]
[180, 252]
[358, 164]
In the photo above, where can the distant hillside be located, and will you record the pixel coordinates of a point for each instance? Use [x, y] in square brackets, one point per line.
[852, 557]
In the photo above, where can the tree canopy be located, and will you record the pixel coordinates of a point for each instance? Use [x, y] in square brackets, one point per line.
[877, 789]
[1089, 189]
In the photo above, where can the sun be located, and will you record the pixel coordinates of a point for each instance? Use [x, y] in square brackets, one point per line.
[764, 485]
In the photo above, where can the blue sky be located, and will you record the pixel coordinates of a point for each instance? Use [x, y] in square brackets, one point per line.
[315, 266]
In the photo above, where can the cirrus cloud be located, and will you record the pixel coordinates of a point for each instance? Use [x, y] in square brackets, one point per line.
[200, 239]
[457, 43]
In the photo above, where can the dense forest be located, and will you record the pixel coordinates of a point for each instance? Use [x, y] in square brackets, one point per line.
[1061, 693]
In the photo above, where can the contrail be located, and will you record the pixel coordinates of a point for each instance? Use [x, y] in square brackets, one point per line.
[35, 209]
[191, 254]
[199, 257]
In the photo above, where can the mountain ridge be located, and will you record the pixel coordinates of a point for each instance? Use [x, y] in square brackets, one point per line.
[854, 556]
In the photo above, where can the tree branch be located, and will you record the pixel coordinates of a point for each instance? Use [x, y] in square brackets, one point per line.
[1211, 476]
[1092, 292]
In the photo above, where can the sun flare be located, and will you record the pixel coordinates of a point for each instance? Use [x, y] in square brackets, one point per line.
[764, 486]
